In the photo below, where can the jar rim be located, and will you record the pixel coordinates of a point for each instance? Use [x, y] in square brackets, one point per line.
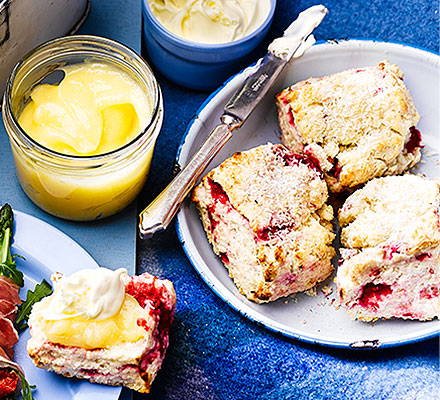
[95, 40]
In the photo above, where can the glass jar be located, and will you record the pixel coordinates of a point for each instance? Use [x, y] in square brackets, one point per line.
[75, 187]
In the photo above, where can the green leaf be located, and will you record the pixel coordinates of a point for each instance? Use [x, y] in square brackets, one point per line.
[41, 290]
[6, 219]
[26, 389]
[8, 267]
[10, 270]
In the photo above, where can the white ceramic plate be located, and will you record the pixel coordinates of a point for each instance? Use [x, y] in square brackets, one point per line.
[312, 318]
[46, 250]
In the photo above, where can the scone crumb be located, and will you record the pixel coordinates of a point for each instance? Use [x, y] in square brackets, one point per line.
[327, 290]
[311, 291]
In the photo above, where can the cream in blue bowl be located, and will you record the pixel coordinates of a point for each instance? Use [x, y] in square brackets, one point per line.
[198, 44]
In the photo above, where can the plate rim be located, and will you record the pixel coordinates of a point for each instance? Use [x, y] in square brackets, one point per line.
[21, 217]
[229, 297]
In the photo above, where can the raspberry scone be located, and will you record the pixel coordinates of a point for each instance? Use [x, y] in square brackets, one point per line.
[359, 124]
[265, 213]
[390, 265]
[103, 326]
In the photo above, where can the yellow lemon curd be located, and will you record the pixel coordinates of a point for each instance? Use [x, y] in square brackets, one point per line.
[95, 109]
[95, 333]
[90, 309]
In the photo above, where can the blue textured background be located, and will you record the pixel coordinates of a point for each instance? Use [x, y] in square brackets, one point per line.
[215, 353]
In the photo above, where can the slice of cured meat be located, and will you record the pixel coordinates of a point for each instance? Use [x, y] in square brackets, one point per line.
[9, 290]
[8, 310]
[8, 335]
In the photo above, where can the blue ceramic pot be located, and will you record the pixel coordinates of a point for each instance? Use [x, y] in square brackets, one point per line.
[195, 65]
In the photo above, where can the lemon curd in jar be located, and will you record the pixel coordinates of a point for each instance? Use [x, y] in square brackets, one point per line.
[83, 142]
[96, 108]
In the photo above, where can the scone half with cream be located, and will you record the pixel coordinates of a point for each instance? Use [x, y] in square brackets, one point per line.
[104, 326]
[390, 265]
[360, 124]
[265, 213]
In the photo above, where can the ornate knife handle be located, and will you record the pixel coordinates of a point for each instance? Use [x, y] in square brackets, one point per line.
[160, 212]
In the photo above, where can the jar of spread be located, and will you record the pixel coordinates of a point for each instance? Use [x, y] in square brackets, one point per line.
[82, 114]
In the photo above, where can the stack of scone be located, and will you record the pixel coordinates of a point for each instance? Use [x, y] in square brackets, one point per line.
[265, 210]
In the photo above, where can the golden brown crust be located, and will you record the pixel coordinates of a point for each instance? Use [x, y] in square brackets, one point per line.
[265, 214]
[357, 123]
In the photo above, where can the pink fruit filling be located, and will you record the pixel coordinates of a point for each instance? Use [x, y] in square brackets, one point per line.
[391, 249]
[292, 159]
[377, 91]
[422, 256]
[154, 295]
[224, 257]
[217, 192]
[91, 372]
[430, 292]
[372, 293]
[290, 117]
[288, 279]
[414, 141]
[218, 196]
[289, 112]
[336, 170]
[375, 272]
[270, 232]
[212, 221]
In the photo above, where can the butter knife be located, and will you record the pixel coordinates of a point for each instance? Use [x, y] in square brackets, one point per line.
[296, 39]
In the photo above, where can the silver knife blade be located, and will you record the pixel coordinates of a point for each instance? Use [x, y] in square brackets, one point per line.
[244, 101]
[281, 51]
[296, 39]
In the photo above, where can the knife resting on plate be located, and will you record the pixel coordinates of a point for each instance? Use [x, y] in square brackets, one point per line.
[296, 39]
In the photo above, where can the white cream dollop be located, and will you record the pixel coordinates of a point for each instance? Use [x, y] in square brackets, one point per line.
[90, 293]
[211, 21]
[296, 37]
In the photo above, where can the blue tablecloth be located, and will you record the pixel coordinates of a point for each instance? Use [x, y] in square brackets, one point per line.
[215, 353]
